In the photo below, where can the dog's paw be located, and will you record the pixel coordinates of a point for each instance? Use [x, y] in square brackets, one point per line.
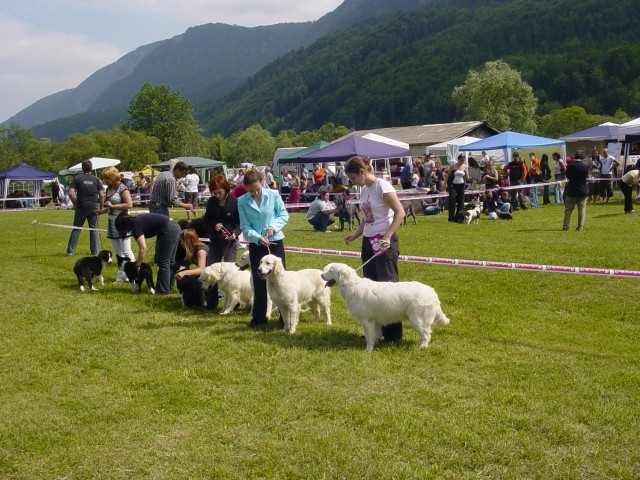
[82, 288]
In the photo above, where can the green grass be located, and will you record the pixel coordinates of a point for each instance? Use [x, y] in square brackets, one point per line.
[537, 376]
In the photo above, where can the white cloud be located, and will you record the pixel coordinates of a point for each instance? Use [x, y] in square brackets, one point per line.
[53, 45]
[197, 12]
[34, 63]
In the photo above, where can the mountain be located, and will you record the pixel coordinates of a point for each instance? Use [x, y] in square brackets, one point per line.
[203, 63]
[401, 71]
[374, 63]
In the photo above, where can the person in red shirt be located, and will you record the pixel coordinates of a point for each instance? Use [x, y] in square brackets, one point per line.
[319, 174]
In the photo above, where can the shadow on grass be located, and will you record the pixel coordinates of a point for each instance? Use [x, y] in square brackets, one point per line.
[608, 215]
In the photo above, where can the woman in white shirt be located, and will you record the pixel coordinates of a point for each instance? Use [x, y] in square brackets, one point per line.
[457, 181]
[383, 215]
[191, 182]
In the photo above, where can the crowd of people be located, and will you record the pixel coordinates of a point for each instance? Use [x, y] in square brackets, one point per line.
[252, 206]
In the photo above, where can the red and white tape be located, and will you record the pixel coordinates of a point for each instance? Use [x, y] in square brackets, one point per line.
[526, 267]
[523, 267]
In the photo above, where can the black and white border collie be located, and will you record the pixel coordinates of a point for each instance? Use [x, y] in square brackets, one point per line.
[90, 269]
[138, 277]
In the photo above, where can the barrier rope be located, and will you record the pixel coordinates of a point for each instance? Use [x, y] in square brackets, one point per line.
[523, 267]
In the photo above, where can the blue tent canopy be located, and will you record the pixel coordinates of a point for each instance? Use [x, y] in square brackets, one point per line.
[342, 150]
[508, 141]
[24, 172]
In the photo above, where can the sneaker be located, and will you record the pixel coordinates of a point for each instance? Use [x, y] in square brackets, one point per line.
[121, 277]
[327, 231]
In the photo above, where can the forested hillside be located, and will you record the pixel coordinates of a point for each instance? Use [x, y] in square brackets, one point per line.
[203, 63]
[402, 71]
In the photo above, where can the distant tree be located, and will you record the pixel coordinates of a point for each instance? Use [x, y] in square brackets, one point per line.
[285, 138]
[134, 149]
[498, 95]
[252, 145]
[14, 145]
[573, 119]
[157, 111]
[218, 148]
[565, 121]
[79, 147]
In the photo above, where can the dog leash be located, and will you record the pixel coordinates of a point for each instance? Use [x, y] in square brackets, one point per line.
[384, 246]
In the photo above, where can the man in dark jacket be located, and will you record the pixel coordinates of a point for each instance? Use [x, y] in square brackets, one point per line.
[87, 195]
[517, 171]
[576, 192]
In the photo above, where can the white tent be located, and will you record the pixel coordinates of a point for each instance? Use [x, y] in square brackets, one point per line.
[632, 123]
[97, 163]
[388, 141]
[453, 141]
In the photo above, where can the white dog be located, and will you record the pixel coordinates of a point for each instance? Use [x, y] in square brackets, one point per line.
[473, 215]
[375, 304]
[232, 282]
[290, 289]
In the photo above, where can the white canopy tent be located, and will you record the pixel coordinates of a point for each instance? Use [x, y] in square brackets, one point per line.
[389, 141]
[97, 163]
[450, 147]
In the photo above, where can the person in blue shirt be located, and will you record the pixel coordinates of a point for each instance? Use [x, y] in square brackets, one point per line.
[263, 215]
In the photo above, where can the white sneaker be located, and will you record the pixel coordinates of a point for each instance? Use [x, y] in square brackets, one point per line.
[121, 277]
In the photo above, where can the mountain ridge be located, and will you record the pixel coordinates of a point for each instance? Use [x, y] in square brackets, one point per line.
[203, 51]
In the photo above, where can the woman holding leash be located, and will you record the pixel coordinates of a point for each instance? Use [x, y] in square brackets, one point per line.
[223, 221]
[117, 200]
[383, 215]
[262, 218]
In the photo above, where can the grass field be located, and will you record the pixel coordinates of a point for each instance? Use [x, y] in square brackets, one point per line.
[537, 376]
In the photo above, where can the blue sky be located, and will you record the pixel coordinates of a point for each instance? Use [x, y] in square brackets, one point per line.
[53, 45]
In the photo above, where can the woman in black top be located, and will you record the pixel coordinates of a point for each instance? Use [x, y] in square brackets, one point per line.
[149, 225]
[223, 221]
[545, 172]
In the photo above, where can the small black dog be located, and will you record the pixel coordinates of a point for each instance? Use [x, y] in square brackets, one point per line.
[137, 277]
[90, 269]
[190, 288]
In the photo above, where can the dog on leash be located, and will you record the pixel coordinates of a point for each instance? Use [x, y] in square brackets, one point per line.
[89, 269]
[375, 304]
[137, 276]
[473, 215]
[234, 283]
[289, 289]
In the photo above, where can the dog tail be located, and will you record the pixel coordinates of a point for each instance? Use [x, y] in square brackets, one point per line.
[441, 319]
